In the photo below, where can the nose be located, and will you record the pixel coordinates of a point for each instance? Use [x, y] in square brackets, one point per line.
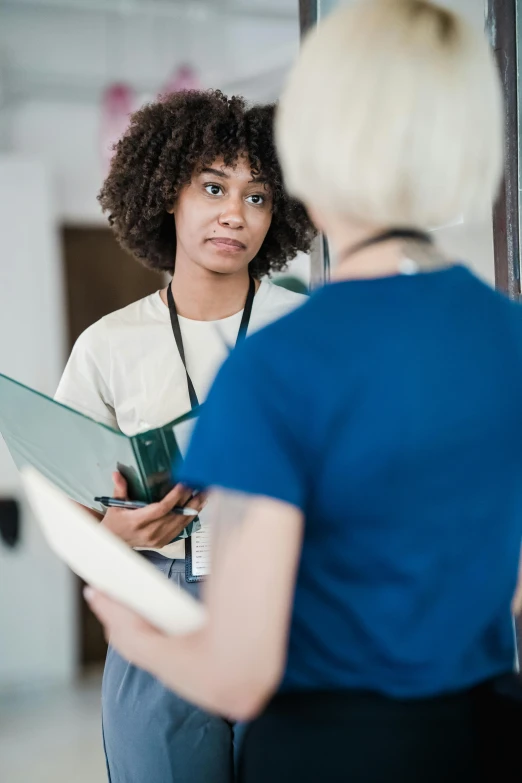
[232, 215]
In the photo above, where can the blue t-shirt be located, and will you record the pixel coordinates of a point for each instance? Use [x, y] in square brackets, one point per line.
[390, 412]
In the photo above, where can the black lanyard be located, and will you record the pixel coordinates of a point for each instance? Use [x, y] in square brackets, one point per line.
[174, 320]
[393, 233]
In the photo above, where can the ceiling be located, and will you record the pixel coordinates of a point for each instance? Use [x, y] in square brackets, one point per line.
[69, 50]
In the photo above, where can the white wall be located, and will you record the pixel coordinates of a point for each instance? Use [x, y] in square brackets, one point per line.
[60, 125]
[58, 62]
[472, 242]
[37, 596]
[50, 173]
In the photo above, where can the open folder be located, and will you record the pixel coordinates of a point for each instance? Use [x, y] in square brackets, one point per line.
[79, 454]
[105, 562]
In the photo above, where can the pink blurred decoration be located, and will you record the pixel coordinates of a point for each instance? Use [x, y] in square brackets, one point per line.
[185, 78]
[118, 102]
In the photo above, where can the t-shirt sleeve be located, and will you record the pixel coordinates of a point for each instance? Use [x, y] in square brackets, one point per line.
[84, 385]
[243, 440]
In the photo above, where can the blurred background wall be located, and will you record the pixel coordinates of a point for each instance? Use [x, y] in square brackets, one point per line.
[58, 56]
[471, 242]
[59, 267]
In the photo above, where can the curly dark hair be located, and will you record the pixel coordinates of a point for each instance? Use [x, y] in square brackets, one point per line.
[168, 141]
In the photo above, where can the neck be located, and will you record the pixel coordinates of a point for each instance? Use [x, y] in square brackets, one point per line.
[383, 259]
[202, 295]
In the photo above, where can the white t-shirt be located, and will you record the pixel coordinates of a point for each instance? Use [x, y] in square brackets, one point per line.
[125, 370]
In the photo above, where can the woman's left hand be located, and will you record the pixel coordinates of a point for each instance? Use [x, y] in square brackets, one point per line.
[132, 636]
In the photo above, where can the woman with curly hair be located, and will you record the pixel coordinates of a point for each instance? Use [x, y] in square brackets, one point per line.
[195, 189]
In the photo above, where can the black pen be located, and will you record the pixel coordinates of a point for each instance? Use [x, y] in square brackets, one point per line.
[135, 504]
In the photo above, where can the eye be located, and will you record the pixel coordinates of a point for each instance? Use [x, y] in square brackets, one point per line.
[213, 190]
[257, 199]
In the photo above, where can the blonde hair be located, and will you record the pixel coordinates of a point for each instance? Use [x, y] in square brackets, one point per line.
[393, 115]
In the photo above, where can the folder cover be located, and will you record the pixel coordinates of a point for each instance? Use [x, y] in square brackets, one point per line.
[79, 454]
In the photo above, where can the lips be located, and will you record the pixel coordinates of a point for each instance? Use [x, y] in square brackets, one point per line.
[227, 244]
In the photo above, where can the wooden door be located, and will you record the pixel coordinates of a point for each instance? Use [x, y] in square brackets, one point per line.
[99, 278]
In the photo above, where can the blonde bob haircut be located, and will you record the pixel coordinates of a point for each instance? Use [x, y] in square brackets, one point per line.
[392, 115]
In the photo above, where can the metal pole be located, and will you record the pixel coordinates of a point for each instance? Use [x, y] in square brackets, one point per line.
[503, 26]
[310, 12]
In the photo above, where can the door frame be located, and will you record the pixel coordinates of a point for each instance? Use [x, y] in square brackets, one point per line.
[503, 28]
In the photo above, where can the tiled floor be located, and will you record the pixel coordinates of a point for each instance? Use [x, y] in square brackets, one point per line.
[53, 736]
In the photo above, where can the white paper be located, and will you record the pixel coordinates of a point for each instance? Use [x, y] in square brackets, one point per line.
[105, 562]
[200, 544]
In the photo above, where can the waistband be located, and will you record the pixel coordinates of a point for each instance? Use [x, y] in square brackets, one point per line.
[166, 564]
[310, 702]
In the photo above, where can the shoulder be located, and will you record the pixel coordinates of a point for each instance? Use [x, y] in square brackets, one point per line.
[147, 309]
[272, 302]
[272, 295]
[102, 331]
[264, 356]
[490, 302]
[92, 346]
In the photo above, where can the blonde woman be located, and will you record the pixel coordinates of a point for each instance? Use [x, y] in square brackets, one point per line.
[367, 449]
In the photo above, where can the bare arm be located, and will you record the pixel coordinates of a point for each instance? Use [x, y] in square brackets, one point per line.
[235, 663]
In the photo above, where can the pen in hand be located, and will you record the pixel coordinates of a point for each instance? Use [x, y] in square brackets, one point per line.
[185, 511]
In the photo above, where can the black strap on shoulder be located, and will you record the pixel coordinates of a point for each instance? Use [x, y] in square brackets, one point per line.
[174, 320]
[385, 236]
[247, 312]
[176, 330]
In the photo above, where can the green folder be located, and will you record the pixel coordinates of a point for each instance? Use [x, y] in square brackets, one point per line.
[79, 454]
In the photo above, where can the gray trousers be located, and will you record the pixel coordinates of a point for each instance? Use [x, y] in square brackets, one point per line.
[151, 735]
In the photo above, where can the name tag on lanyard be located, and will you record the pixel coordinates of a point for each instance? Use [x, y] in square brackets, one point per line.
[197, 546]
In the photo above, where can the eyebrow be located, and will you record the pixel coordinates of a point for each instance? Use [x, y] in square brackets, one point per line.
[217, 173]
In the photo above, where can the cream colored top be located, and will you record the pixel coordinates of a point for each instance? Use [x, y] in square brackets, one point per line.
[125, 369]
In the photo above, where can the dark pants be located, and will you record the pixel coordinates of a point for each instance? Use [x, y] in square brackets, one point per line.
[367, 738]
[150, 734]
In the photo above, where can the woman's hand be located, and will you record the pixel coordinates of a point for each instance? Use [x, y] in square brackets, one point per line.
[153, 526]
